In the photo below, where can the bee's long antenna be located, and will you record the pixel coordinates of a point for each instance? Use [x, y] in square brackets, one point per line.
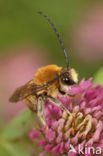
[59, 37]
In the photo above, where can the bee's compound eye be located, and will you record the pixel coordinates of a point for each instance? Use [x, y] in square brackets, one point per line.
[67, 81]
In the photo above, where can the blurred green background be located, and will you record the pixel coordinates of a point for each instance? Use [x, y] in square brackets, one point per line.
[27, 41]
[20, 24]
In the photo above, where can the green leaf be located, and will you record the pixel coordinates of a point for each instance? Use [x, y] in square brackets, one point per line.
[98, 78]
[19, 126]
[13, 149]
[3, 152]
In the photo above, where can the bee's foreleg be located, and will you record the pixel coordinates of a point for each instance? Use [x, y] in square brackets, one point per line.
[40, 109]
[58, 103]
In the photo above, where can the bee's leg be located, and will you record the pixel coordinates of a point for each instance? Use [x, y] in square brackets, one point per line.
[40, 109]
[58, 103]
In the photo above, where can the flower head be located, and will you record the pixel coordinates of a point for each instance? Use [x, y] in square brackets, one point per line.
[82, 129]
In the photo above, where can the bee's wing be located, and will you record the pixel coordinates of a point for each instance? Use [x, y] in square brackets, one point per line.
[24, 91]
[29, 88]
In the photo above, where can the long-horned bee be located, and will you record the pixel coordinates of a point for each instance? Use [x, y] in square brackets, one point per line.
[46, 84]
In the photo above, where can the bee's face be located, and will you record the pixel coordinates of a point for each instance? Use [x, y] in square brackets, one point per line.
[68, 79]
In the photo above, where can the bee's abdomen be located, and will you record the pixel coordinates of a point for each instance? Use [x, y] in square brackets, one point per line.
[31, 102]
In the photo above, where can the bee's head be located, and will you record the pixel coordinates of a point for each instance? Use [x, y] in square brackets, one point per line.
[67, 79]
[68, 76]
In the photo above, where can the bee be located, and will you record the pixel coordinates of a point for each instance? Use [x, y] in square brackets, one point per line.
[47, 82]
